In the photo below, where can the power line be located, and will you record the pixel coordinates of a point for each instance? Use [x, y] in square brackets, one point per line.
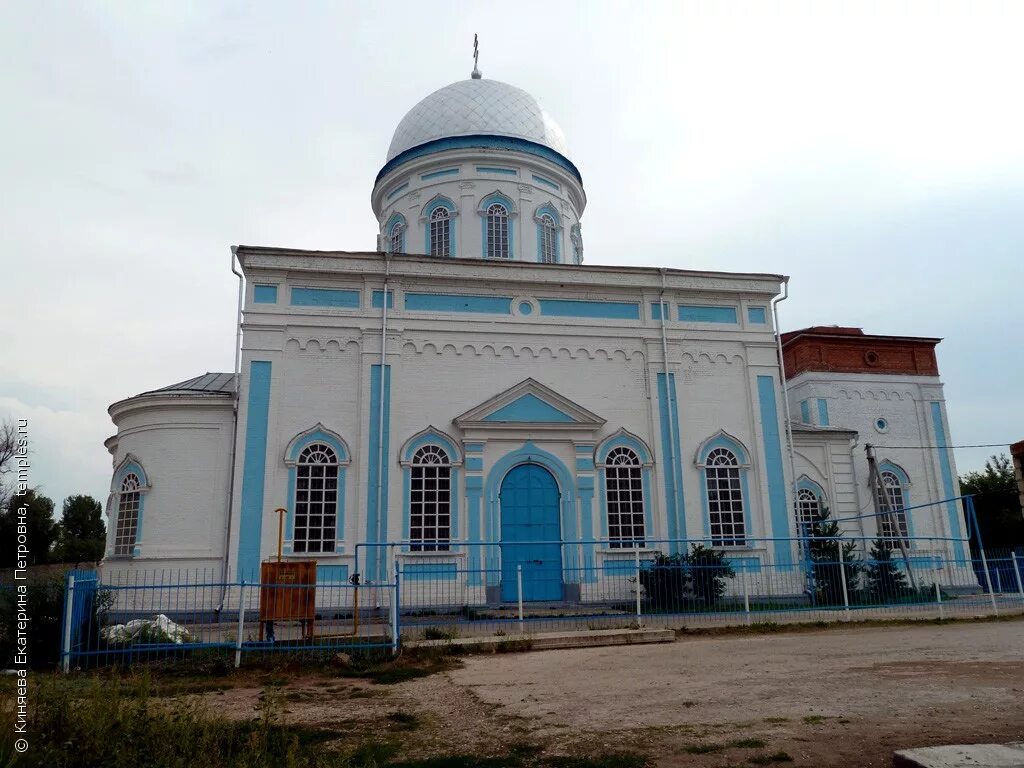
[939, 447]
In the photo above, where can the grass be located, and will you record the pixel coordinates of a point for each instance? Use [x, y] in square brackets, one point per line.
[814, 719]
[404, 721]
[774, 757]
[704, 749]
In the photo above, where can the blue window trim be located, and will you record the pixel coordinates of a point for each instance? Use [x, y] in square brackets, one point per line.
[549, 209]
[316, 434]
[438, 174]
[822, 412]
[396, 218]
[498, 197]
[431, 436]
[904, 478]
[264, 294]
[806, 484]
[547, 182]
[757, 315]
[805, 412]
[428, 209]
[131, 465]
[625, 439]
[723, 440]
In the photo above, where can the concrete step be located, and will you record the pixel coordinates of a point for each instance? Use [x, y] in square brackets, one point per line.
[962, 756]
[551, 640]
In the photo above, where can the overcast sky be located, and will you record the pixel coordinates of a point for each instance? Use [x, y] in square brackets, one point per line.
[872, 151]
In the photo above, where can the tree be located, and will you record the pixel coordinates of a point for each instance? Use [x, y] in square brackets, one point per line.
[81, 535]
[696, 578]
[41, 529]
[884, 578]
[996, 503]
[824, 541]
[9, 449]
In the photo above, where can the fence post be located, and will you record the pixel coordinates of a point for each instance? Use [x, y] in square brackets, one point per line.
[938, 599]
[988, 579]
[636, 568]
[1016, 572]
[396, 627]
[746, 595]
[842, 577]
[69, 604]
[241, 624]
[519, 594]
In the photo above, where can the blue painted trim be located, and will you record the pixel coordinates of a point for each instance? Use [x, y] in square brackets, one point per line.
[546, 182]
[805, 483]
[328, 574]
[432, 437]
[529, 408]
[585, 491]
[132, 467]
[397, 218]
[757, 315]
[250, 522]
[377, 519]
[264, 294]
[626, 440]
[675, 507]
[525, 308]
[474, 493]
[805, 412]
[656, 307]
[904, 478]
[549, 209]
[500, 171]
[438, 174]
[822, 412]
[474, 464]
[439, 202]
[610, 310]
[700, 313]
[624, 566]
[947, 481]
[480, 141]
[315, 436]
[325, 297]
[584, 448]
[473, 447]
[749, 564]
[584, 464]
[318, 436]
[449, 302]
[773, 465]
[397, 190]
[434, 571]
[497, 197]
[377, 302]
[723, 441]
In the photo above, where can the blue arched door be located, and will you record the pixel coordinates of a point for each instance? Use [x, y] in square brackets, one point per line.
[529, 514]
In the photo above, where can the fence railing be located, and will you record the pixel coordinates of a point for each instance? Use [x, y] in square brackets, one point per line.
[442, 590]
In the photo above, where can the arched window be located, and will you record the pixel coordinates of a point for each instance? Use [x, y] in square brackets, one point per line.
[725, 499]
[808, 509]
[430, 507]
[891, 498]
[623, 481]
[440, 232]
[316, 499]
[497, 231]
[128, 503]
[397, 237]
[548, 237]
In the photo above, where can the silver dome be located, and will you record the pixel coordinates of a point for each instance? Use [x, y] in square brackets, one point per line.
[474, 107]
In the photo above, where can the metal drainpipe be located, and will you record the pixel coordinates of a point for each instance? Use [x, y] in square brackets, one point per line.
[663, 310]
[234, 427]
[380, 399]
[785, 389]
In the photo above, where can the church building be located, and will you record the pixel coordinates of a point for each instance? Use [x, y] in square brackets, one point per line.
[469, 398]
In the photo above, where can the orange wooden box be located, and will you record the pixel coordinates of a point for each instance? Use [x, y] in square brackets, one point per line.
[279, 599]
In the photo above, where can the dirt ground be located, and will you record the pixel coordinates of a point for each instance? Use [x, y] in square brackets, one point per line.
[831, 697]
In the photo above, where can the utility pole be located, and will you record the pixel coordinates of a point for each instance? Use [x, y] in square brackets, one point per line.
[884, 509]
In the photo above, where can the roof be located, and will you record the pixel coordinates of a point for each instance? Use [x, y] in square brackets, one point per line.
[473, 108]
[834, 331]
[207, 383]
[799, 426]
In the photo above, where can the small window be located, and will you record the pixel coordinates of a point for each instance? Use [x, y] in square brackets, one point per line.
[548, 239]
[891, 499]
[725, 499]
[397, 236]
[440, 232]
[808, 509]
[623, 480]
[128, 503]
[497, 232]
[430, 513]
[316, 499]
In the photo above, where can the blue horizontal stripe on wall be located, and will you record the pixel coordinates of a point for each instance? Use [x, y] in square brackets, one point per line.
[438, 174]
[474, 447]
[757, 315]
[397, 189]
[331, 573]
[698, 313]
[748, 564]
[584, 465]
[502, 171]
[546, 182]
[264, 294]
[609, 310]
[450, 302]
[624, 567]
[429, 571]
[378, 299]
[479, 141]
[325, 297]
[656, 310]
[474, 464]
[584, 448]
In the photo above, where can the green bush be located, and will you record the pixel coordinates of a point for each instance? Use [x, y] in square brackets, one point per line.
[695, 579]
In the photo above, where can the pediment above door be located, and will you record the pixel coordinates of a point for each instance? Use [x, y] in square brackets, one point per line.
[531, 405]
